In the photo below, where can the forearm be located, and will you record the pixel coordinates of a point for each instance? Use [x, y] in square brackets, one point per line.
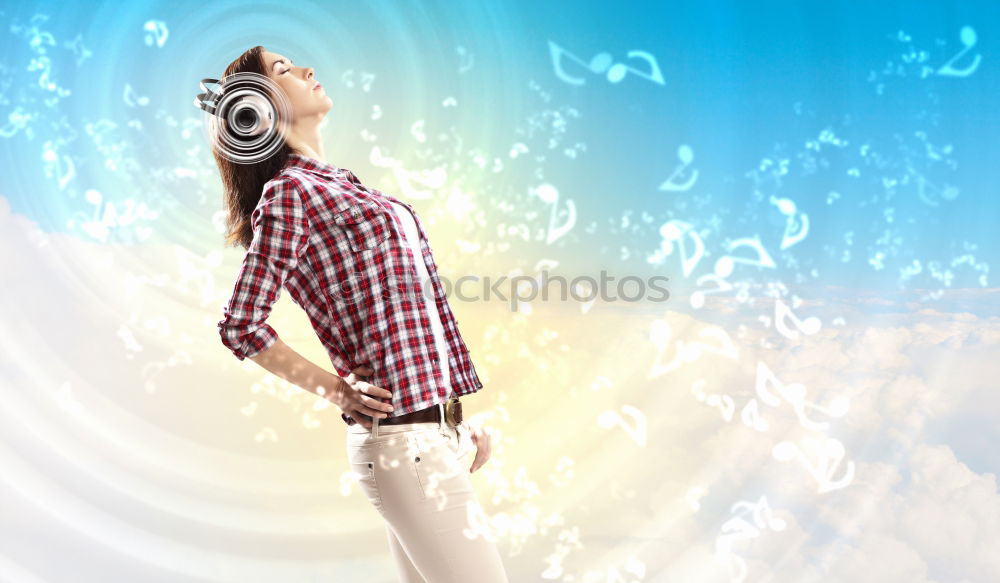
[284, 362]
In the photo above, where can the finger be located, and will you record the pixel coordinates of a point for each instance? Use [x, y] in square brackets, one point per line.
[478, 461]
[374, 403]
[374, 390]
[485, 448]
[359, 420]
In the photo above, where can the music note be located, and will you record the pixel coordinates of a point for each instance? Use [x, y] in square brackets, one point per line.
[794, 394]
[675, 230]
[477, 519]
[348, 78]
[724, 403]
[366, 81]
[550, 196]
[348, 479]
[686, 156]
[267, 433]
[698, 296]
[637, 430]
[466, 59]
[660, 333]
[556, 52]
[750, 415]
[433, 179]
[417, 131]
[924, 187]
[725, 265]
[618, 71]
[740, 529]
[828, 455]
[130, 94]
[603, 63]
[63, 167]
[580, 290]
[968, 37]
[791, 235]
[761, 512]
[782, 313]
[517, 149]
[563, 473]
[156, 31]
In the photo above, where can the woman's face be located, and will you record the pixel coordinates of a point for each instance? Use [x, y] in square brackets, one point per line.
[306, 97]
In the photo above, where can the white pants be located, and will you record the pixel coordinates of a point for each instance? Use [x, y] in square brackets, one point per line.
[416, 477]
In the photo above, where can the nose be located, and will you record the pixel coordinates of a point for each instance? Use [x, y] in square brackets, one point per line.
[309, 73]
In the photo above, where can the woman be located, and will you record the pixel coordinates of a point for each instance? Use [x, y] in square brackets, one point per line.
[358, 262]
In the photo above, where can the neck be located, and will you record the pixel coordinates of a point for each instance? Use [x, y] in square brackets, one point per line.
[304, 138]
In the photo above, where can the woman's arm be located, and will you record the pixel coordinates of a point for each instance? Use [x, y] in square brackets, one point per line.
[283, 361]
[280, 237]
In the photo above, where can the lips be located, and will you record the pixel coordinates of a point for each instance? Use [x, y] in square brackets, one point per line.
[316, 86]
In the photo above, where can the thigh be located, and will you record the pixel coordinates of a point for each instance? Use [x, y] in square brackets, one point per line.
[434, 512]
[404, 566]
[381, 463]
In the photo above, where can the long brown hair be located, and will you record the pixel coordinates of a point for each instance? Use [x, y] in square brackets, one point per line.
[243, 184]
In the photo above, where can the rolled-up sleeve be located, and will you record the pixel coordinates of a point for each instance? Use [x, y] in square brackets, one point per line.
[280, 237]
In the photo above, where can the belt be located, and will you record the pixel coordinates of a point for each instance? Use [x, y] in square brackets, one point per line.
[452, 415]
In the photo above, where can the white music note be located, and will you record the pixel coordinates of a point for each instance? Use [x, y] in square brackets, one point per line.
[129, 97]
[698, 296]
[783, 313]
[417, 131]
[618, 71]
[686, 156]
[792, 235]
[156, 31]
[675, 231]
[62, 166]
[517, 149]
[969, 38]
[604, 63]
[828, 454]
[550, 196]
[750, 415]
[466, 58]
[795, 395]
[636, 430]
[725, 265]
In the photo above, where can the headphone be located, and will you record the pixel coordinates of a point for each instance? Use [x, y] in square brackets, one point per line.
[240, 120]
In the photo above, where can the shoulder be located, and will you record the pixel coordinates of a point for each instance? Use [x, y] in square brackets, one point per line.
[286, 187]
[283, 201]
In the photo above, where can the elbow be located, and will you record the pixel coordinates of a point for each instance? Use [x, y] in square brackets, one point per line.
[245, 343]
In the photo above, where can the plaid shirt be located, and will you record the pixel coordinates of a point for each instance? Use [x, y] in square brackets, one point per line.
[341, 252]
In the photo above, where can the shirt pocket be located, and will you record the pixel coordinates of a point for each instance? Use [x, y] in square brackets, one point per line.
[364, 225]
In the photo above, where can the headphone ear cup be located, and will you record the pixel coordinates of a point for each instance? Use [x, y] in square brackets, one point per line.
[249, 112]
[252, 115]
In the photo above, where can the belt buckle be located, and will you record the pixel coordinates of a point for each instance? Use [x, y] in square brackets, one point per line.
[453, 412]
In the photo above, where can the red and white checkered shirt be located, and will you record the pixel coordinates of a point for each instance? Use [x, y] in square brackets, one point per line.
[341, 252]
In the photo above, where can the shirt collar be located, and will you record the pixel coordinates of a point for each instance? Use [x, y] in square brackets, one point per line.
[313, 165]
